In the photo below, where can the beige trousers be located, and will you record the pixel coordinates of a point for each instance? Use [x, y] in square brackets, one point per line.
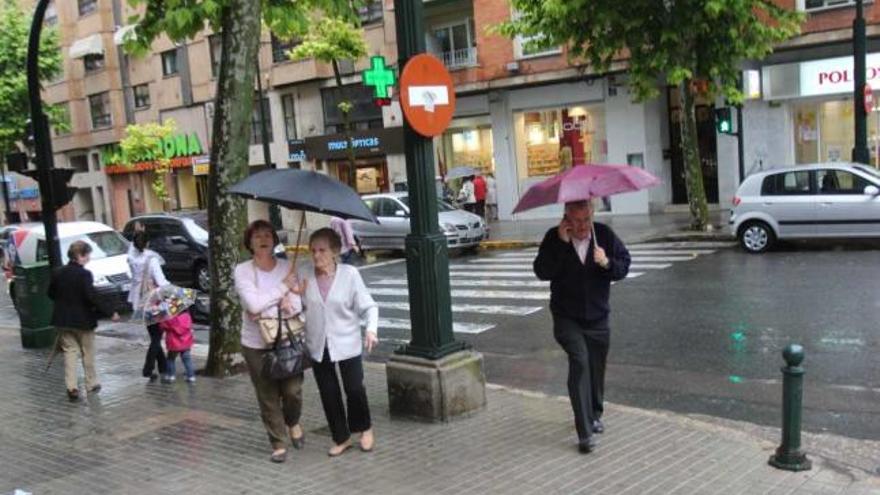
[76, 343]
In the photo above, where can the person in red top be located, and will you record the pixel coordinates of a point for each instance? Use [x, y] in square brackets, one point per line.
[480, 195]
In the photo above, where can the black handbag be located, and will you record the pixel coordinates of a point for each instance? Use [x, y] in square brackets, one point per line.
[286, 361]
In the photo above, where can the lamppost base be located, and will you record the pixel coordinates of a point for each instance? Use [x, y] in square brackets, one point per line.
[436, 389]
[790, 461]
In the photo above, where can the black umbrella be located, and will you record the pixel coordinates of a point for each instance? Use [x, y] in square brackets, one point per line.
[304, 190]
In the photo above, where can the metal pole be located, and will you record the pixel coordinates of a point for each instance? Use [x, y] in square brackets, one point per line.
[42, 141]
[789, 455]
[427, 257]
[739, 143]
[860, 153]
[274, 212]
[6, 205]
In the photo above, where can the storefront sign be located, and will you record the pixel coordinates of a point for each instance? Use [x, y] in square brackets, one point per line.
[868, 94]
[174, 148]
[836, 75]
[202, 165]
[334, 147]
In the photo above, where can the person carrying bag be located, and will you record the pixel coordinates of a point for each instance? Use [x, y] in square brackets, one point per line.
[286, 360]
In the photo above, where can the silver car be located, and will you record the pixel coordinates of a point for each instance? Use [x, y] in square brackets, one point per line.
[829, 200]
[462, 229]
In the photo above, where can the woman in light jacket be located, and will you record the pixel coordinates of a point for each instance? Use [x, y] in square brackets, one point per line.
[146, 274]
[264, 284]
[335, 301]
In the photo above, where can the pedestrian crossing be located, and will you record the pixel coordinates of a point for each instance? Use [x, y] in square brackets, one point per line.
[494, 286]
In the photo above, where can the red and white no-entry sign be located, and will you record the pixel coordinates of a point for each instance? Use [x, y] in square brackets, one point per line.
[427, 95]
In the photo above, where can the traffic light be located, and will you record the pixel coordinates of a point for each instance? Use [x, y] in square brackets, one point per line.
[724, 120]
[17, 161]
[62, 193]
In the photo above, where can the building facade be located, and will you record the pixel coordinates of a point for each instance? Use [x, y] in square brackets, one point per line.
[522, 115]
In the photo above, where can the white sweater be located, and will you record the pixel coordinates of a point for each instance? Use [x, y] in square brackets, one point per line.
[144, 264]
[336, 322]
[260, 293]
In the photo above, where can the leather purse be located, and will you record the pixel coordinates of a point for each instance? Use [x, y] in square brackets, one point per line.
[271, 328]
[287, 360]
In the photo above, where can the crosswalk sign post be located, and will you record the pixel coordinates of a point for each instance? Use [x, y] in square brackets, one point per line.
[424, 374]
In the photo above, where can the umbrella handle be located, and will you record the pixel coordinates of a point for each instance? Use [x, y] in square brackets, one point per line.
[595, 242]
[302, 222]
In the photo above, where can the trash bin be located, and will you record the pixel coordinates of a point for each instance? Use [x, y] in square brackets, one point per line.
[33, 304]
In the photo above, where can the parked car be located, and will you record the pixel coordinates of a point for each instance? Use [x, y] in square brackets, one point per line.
[181, 238]
[462, 229]
[108, 260]
[829, 200]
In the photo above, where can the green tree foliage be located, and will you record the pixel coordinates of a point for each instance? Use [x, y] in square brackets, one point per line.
[15, 25]
[331, 40]
[146, 140]
[240, 23]
[685, 43]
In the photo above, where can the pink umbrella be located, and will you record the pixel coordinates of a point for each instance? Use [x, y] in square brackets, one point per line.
[583, 182]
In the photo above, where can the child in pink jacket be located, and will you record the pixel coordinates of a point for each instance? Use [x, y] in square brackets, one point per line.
[179, 341]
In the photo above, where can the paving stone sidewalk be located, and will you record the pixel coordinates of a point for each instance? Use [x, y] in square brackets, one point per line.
[207, 438]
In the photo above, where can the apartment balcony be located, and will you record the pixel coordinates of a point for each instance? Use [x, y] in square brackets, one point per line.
[458, 59]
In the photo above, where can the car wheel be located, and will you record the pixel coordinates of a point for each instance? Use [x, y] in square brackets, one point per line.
[756, 237]
[202, 277]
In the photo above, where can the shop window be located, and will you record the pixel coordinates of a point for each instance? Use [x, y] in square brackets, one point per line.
[215, 49]
[141, 96]
[365, 113]
[289, 116]
[825, 132]
[468, 143]
[169, 63]
[86, 7]
[281, 47]
[549, 141]
[99, 108]
[787, 184]
[93, 62]
[257, 122]
[840, 182]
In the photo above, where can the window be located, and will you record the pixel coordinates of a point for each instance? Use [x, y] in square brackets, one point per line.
[257, 122]
[555, 139]
[786, 184]
[93, 62]
[385, 207]
[99, 106]
[80, 163]
[215, 45]
[169, 62]
[840, 182]
[364, 115]
[63, 126]
[289, 116]
[529, 46]
[141, 95]
[372, 12]
[280, 47]
[86, 7]
[455, 44]
[813, 5]
[51, 17]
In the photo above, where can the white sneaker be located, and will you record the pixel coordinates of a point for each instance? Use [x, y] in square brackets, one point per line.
[190, 379]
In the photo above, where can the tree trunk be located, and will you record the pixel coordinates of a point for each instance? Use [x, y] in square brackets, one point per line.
[229, 164]
[346, 123]
[693, 171]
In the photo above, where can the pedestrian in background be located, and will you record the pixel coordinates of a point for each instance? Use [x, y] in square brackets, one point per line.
[146, 275]
[75, 316]
[336, 301]
[491, 199]
[466, 195]
[265, 284]
[350, 250]
[480, 196]
[581, 258]
[178, 340]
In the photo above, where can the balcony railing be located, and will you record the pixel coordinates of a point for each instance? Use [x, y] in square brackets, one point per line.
[456, 59]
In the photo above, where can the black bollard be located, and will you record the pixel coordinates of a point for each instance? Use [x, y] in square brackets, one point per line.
[789, 455]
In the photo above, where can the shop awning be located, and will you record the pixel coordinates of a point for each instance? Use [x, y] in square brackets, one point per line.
[124, 33]
[90, 45]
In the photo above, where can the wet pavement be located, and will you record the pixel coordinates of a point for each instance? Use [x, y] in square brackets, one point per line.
[206, 438]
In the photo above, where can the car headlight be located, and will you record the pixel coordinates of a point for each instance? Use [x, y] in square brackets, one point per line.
[448, 227]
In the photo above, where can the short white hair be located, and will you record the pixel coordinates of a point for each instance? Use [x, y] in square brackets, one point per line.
[577, 205]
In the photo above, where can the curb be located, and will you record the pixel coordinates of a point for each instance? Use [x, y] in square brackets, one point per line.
[508, 244]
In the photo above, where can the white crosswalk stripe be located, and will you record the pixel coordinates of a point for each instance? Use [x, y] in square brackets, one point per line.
[508, 279]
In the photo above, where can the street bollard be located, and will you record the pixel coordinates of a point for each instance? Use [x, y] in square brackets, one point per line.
[789, 455]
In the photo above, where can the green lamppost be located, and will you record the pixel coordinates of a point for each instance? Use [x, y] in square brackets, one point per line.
[434, 376]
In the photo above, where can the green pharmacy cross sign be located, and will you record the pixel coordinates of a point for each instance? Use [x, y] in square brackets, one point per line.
[380, 77]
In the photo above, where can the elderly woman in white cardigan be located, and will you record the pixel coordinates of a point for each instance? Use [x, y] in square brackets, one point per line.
[336, 301]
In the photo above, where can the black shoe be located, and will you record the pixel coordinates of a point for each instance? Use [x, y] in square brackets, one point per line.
[154, 377]
[298, 443]
[598, 426]
[588, 445]
[73, 395]
[95, 389]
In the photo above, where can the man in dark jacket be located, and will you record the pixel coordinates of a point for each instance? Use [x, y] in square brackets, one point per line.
[580, 270]
[74, 316]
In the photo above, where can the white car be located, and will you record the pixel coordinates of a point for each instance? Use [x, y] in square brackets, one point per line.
[827, 200]
[109, 265]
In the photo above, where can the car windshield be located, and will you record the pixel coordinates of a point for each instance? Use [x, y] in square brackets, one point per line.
[441, 205]
[198, 233]
[870, 170]
[104, 244]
